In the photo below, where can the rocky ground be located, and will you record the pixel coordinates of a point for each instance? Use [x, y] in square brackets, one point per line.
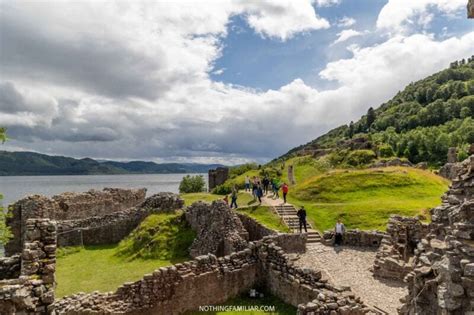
[349, 266]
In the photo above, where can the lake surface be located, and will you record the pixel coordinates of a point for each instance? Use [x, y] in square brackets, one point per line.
[14, 188]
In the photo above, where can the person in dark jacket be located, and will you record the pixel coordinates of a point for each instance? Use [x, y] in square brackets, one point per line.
[339, 231]
[302, 219]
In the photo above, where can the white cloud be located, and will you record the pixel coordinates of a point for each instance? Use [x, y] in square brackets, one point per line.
[88, 86]
[398, 15]
[346, 21]
[327, 3]
[283, 19]
[346, 34]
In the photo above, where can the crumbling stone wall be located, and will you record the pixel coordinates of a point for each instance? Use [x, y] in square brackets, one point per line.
[10, 267]
[394, 257]
[219, 229]
[68, 206]
[442, 279]
[33, 291]
[112, 228]
[217, 177]
[208, 280]
[355, 238]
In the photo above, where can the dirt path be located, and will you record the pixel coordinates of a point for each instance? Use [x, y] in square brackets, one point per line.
[349, 266]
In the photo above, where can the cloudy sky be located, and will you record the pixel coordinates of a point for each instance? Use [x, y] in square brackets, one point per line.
[210, 81]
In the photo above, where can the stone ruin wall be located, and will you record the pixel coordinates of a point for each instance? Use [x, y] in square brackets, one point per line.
[32, 290]
[10, 267]
[355, 237]
[217, 177]
[208, 280]
[395, 255]
[68, 206]
[112, 228]
[108, 225]
[442, 278]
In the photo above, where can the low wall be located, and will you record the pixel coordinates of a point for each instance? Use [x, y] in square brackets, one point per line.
[10, 267]
[68, 206]
[394, 257]
[208, 280]
[255, 229]
[112, 228]
[356, 238]
[33, 291]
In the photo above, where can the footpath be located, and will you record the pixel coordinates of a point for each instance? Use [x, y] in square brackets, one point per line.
[287, 213]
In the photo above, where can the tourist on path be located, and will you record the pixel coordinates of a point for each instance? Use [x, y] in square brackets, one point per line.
[247, 183]
[275, 188]
[254, 187]
[284, 189]
[234, 197]
[339, 231]
[302, 219]
[259, 193]
[266, 183]
[226, 200]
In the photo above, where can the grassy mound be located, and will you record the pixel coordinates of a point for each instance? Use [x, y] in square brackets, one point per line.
[366, 198]
[243, 199]
[91, 268]
[159, 236]
[265, 216]
[160, 240]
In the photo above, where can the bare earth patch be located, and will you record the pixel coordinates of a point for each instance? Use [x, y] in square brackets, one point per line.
[349, 266]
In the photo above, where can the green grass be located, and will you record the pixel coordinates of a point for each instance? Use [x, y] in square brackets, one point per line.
[163, 239]
[280, 307]
[266, 217]
[99, 268]
[365, 199]
[160, 236]
[243, 199]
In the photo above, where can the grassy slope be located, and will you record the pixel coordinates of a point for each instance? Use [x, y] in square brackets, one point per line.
[266, 217]
[366, 198]
[99, 268]
[160, 238]
[363, 198]
[243, 199]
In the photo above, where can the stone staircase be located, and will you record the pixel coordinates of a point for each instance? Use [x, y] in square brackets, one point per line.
[288, 214]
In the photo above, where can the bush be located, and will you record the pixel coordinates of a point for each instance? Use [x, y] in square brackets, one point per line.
[223, 189]
[385, 151]
[360, 157]
[192, 184]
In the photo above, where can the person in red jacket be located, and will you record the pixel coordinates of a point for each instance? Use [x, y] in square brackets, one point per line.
[284, 189]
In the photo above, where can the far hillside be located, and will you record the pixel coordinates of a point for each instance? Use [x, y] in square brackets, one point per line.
[420, 123]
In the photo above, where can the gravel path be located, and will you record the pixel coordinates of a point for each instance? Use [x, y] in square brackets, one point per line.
[349, 266]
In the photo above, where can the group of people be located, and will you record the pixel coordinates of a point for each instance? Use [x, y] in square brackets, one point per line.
[261, 187]
[339, 229]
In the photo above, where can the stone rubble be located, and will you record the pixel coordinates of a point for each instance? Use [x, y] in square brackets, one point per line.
[219, 229]
[442, 278]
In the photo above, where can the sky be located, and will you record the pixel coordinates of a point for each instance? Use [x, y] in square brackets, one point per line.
[210, 81]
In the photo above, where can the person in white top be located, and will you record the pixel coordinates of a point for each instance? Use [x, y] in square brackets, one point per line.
[247, 183]
[339, 230]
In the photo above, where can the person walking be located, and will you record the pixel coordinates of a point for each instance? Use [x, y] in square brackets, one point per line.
[260, 193]
[266, 183]
[276, 188]
[284, 189]
[302, 219]
[339, 230]
[247, 183]
[226, 200]
[254, 187]
[233, 196]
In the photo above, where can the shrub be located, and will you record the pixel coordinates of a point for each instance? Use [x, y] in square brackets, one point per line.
[223, 189]
[360, 157]
[385, 151]
[192, 184]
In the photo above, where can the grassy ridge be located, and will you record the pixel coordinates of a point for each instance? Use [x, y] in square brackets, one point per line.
[160, 240]
[366, 198]
[265, 216]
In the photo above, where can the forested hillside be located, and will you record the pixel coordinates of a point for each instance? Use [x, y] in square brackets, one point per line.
[420, 123]
[30, 163]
